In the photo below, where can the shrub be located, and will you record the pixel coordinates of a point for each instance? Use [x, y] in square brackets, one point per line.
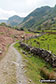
[46, 74]
[52, 75]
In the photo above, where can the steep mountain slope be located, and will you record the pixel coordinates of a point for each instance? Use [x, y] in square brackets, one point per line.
[14, 20]
[39, 18]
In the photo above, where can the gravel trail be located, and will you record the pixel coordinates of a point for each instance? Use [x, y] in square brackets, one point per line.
[11, 68]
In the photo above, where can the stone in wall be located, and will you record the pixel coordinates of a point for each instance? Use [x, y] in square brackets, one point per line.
[47, 56]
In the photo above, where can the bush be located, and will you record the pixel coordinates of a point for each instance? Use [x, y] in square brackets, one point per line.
[52, 75]
[46, 74]
[3, 24]
[21, 29]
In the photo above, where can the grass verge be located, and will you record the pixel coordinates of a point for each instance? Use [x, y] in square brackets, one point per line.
[34, 64]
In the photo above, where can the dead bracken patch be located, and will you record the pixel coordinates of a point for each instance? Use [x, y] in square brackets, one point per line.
[8, 36]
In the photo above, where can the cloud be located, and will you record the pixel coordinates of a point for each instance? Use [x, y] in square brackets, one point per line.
[22, 8]
[31, 2]
[4, 14]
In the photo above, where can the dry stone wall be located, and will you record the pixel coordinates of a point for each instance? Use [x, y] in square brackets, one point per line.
[36, 36]
[46, 55]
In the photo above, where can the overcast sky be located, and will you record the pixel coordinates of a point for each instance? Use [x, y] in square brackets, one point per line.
[22, 8]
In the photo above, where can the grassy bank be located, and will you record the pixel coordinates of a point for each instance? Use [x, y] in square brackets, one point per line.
[34, 65]
[47, 41]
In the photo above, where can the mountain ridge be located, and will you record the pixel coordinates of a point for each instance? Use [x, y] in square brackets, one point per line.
[36, 18]
[41, 18]
[13, 20]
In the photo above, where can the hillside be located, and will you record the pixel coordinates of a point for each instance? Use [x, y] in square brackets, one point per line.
[14, 20]
[41, 18]
[8, 36]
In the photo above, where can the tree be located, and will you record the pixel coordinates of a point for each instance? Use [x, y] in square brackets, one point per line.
[21, 29]
[3, 24]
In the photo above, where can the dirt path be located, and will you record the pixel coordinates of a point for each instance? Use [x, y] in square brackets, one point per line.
[11, 68]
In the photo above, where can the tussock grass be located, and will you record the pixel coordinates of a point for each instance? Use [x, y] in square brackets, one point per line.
[47, 75]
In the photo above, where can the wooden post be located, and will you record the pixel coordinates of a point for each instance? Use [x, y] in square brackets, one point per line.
[39, 45]
[48, 46]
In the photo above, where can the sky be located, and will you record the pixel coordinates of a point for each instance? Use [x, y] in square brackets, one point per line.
[21, 8]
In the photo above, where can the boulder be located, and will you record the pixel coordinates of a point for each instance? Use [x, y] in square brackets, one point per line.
[24, 52]
[0, 52]
[53, 61]
[27, 48]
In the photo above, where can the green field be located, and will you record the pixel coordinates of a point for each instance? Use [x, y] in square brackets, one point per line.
[47, 41]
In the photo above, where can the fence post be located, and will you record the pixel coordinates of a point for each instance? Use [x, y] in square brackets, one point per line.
[48, 46]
